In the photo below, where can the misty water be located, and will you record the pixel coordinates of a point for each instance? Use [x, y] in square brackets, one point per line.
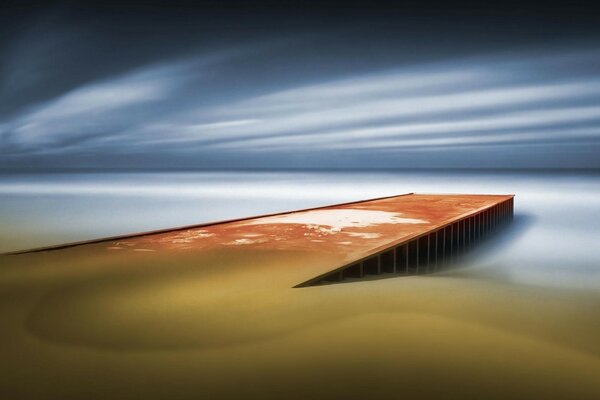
[553, 242]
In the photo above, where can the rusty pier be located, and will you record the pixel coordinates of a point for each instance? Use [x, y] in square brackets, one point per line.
[429, 251]
[405, 234]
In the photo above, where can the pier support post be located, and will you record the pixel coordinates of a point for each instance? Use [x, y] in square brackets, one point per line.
[435, 250]
[464, 236]
[417, 255]
[450, 253]
[443, 246]
[405, 249]
[428, 255]
[471, 231]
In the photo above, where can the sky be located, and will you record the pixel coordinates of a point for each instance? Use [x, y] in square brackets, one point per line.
[265, 84]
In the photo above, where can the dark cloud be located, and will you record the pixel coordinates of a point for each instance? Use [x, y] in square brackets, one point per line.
[299, 84]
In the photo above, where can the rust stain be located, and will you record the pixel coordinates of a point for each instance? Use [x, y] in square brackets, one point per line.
[349, 231]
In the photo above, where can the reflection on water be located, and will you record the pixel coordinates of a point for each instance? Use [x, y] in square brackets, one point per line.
[553, 241]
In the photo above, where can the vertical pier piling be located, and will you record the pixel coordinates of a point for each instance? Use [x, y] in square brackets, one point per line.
[429, 251]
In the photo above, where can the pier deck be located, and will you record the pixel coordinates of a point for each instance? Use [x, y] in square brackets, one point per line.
[405, 234]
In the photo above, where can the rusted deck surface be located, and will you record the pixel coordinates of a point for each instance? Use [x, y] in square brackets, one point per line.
[330, 237]
[348, 230]
[341, 233]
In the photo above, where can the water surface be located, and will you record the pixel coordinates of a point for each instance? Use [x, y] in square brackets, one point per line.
[553, 243]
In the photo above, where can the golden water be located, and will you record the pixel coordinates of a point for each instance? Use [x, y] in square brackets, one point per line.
[82, 323]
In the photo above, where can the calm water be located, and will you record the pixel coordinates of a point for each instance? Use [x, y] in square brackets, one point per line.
[555, 240]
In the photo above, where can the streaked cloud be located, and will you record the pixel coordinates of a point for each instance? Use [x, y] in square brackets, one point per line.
[547, 99]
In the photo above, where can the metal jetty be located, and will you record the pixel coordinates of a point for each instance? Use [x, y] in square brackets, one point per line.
[435, 246]
[406, 234]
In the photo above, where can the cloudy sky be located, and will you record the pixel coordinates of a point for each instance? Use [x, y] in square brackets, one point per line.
[299, 85]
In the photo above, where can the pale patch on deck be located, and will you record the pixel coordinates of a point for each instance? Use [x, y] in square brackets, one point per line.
[338, 219]
[245, 241]
[364, 235]
[189, 236]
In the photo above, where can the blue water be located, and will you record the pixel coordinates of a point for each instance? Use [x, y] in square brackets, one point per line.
[555, 240]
